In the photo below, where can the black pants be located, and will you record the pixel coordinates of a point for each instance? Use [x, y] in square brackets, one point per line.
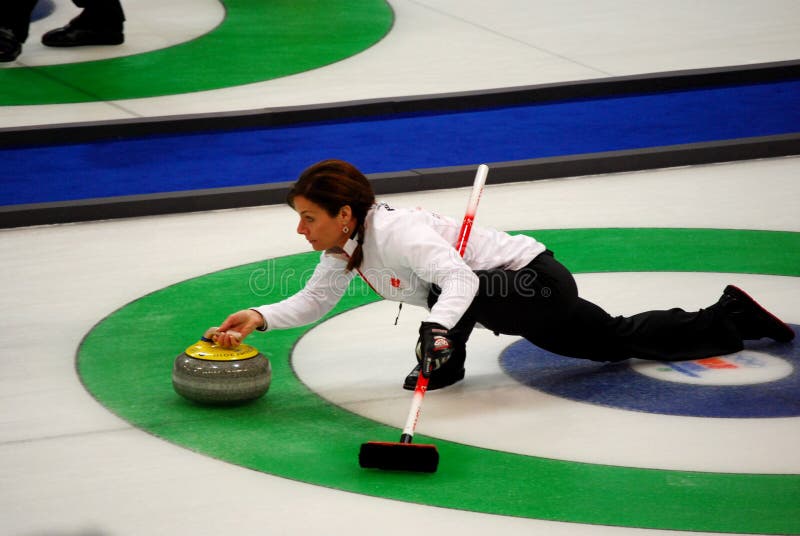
[540, 302]
[99, 14]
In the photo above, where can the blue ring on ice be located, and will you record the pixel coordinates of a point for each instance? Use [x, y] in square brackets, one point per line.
[618, 385]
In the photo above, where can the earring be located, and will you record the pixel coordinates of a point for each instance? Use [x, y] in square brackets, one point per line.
[345, 229]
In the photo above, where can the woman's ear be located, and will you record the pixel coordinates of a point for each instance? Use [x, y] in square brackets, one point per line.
[346, 213]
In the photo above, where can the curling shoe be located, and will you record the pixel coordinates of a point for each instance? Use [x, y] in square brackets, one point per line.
[74, 36]
[751, 320]
[443, 377]
[10, 47]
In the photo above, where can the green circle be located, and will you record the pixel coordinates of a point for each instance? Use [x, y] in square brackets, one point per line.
[256, 41]
[125, 362]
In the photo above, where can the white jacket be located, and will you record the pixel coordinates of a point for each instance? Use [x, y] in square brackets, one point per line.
[405, 252]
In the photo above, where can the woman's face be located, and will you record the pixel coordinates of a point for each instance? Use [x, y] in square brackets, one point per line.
[322, 230]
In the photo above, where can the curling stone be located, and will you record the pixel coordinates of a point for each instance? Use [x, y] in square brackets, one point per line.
[210, 374]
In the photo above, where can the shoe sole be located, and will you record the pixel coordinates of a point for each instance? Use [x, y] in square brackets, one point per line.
[83, 44]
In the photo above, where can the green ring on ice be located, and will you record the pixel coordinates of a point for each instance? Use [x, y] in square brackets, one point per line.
[125, 362]
[256, 41]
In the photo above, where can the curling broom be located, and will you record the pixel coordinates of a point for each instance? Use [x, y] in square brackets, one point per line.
[405, 455]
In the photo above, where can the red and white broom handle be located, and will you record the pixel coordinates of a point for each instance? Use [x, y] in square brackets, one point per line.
[461, 246]
[472, 208]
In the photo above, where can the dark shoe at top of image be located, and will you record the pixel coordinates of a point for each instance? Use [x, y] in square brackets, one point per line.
[73, 35]
[751, 320]
[10, 47]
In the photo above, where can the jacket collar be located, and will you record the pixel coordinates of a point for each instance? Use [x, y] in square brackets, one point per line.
[348, 249]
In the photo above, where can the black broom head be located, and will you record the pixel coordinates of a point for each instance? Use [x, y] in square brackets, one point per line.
[399, 457]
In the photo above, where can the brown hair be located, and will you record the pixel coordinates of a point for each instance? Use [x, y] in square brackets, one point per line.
[332, 184]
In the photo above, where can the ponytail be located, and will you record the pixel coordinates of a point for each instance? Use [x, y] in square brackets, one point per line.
[358, 254]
